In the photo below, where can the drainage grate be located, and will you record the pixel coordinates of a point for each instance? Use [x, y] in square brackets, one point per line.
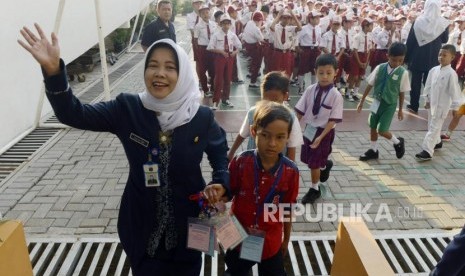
[414, 254]
[23, 150]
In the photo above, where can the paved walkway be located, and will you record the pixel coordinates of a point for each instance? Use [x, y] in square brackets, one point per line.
[74, 184]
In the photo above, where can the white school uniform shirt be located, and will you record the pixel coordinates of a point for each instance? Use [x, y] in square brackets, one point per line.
[331, 107]
[201, 32]
[251, 33]
[267, 34]
[246, 16]
[324, 23]
[295, 137]
[290, 35]
[404, 31]
[306, 35]
[217, 41]
[327, 41]
[342, 33]
[191, 20]
[359, 42]
[442, 90]
[382, 39]
[454, 37]
[404, 81]
[375, 32]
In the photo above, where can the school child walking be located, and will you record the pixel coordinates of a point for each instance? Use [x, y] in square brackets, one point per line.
[332, 43]
[225, 45]
[253, 39]
[390, 81]
[309, 48]
[203, 32]
[442, 92]
[274, 87]
[360, 58]
[259, 178]
[284, 38]
[320, 109]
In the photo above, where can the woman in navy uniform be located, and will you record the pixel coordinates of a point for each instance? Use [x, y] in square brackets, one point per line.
[163, 130]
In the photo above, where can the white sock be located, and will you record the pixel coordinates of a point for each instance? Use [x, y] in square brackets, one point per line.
[316, 186]
[394, 140]
[356, 90]
[374, 145]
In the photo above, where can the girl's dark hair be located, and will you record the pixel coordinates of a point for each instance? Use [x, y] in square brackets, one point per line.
[275, 80]
[165, 46]
[326, 59]
[268, 112]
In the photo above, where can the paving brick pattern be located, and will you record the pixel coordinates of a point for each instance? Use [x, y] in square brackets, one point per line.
[74, 185]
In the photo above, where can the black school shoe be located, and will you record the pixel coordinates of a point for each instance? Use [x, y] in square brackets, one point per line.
[311, 196]
[324, 174]
[438, 146]
[400, 148]
[411, 110]
[368, 155]
[423, 156]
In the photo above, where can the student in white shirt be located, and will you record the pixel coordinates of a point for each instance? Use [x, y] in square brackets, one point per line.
[442, 92]
[203, 31]
[309, 39]
[361, 47]
[225, 45]
[253, 39]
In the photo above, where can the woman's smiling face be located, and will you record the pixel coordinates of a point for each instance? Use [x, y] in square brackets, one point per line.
[161, 74]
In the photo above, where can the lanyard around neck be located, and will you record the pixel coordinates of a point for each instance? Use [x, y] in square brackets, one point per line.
[259, 209]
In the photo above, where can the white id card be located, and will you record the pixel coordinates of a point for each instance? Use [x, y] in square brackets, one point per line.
[151, 175]
[199, 235]
[252, 246]
[230, 232]
[374, 106]
[310, 132]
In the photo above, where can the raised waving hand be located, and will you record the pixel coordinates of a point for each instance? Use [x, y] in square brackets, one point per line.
[47, 54]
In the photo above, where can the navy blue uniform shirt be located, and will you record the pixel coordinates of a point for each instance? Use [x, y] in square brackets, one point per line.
[126, 115]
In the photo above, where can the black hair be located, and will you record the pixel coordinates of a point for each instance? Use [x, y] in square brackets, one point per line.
[165, 46]
[450, 48]
[268, 112]
[326, 59]
[397, 49]
[217, 14]
[275, 80]
[163, 2]
[265, 8]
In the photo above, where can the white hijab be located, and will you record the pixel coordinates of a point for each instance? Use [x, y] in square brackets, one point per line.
[430, 24]
[181, 105]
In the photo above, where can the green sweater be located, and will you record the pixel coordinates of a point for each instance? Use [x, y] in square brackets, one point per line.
[387, 86]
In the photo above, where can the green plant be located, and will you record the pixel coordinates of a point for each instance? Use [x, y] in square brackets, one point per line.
[121, 35]
[187, 7]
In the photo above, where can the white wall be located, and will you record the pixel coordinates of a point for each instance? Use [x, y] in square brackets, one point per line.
[20, 76]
